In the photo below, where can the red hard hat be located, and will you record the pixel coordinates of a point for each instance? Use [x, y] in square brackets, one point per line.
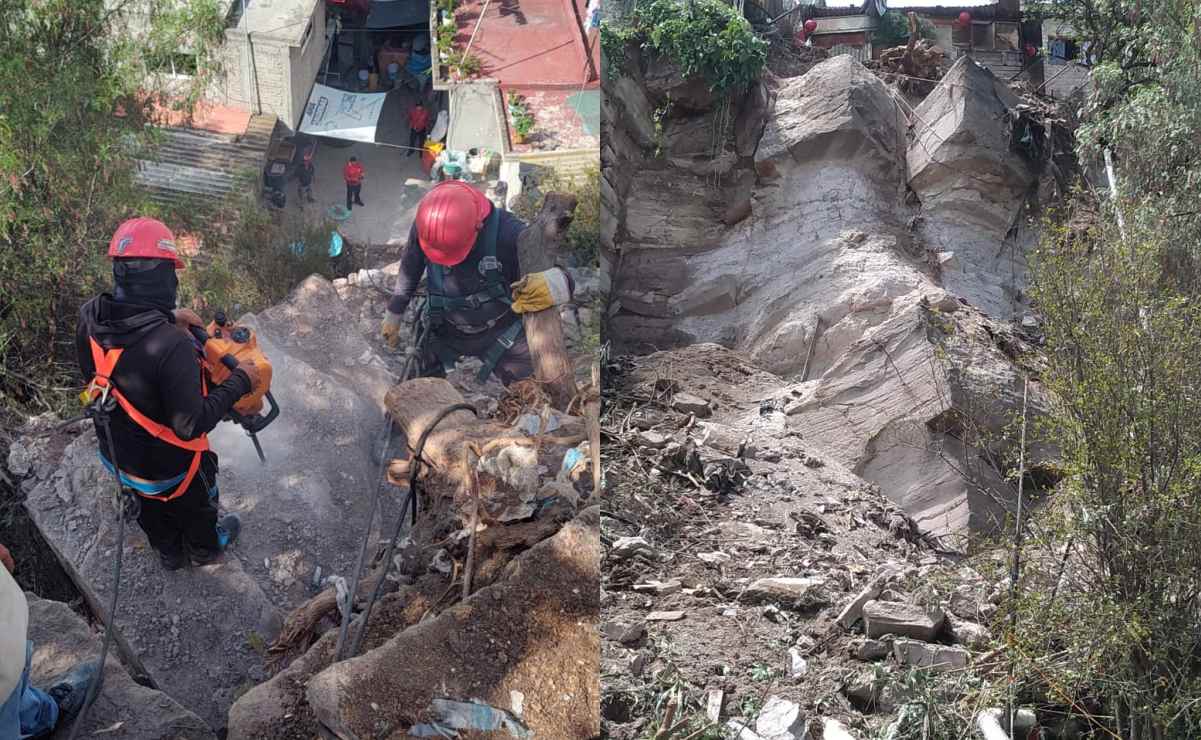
[810, 26]
[448, 219]
[145, 238]
[965, 18]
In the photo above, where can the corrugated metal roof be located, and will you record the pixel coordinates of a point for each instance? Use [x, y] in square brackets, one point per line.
[202, 163]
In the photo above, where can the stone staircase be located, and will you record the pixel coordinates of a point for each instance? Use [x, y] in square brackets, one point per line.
[190, 162]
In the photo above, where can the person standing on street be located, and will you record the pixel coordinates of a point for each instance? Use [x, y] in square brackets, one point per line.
[305, 186]
[419, 124]
[354, 175]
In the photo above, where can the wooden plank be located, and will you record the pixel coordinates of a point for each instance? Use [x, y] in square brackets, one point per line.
[544, 329]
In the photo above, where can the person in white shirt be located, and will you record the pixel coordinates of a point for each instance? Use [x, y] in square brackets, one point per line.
[27, 712]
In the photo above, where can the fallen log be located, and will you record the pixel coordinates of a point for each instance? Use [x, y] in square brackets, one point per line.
[544, 329]
[300, 626]
[415, 404]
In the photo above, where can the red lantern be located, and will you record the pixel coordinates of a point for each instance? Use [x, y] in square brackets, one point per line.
[810, 26]
[965, 19]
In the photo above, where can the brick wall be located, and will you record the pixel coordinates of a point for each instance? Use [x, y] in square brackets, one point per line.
[269, 74]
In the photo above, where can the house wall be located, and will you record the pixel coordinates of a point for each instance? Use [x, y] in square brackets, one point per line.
[830, 40]
[1063, 78]
[306, 63]
[845, 24]
[943, 28]
[268, 75]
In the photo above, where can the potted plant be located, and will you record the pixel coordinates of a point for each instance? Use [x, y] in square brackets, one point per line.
[523, 124]
[445, 41]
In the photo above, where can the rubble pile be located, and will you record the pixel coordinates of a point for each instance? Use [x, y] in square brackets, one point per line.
[836, 349]
[791, 605]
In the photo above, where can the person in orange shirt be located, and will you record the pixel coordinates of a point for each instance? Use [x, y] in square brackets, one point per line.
[419, 123]
[354, 183]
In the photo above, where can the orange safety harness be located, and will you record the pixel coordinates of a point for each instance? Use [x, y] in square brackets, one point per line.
[102, 387]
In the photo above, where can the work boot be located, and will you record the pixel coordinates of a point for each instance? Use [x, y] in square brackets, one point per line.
[228, 528]
[173, 561]
[71, 690]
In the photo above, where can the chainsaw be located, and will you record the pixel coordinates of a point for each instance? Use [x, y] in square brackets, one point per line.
[225, 344]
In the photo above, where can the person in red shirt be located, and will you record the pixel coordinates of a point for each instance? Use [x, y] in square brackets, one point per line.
[354, 183]
[419, 124]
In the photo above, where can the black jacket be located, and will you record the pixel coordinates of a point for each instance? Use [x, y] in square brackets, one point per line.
[159, 373]
[464, 278]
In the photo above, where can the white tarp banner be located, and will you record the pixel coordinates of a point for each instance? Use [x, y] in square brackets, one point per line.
[339, 114]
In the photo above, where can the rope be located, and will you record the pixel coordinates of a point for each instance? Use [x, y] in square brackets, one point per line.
[410, 500]
[1017, 551]
[102, 415]
[421, 329]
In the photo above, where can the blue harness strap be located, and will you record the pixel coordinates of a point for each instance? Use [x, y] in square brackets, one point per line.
[152, 488]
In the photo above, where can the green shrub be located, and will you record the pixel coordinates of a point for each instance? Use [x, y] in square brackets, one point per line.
[705, 38]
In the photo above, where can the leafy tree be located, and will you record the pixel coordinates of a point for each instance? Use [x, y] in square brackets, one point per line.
[1145, 106]
[1111, 625]
[75, 93]
[705, 38]
[894, 30]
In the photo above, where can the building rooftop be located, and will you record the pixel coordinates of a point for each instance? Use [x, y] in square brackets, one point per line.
[857, 5]
[281, 20]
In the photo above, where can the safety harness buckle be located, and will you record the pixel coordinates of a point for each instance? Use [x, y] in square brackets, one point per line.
[97, 397]
[507, 340]
[489, 263]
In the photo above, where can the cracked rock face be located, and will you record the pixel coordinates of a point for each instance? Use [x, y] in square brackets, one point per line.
[884, 314]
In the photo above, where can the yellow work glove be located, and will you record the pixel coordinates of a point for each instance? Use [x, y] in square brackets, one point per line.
[539, 291]
[390, 329]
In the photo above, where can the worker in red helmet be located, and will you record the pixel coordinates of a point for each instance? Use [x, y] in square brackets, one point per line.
[133, 345]
[467, 248]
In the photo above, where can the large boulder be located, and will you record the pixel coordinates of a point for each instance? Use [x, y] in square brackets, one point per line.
[972, 185]
[127, 710]
[854, 295]
[831, 154]
[278, 709]
[539, 623]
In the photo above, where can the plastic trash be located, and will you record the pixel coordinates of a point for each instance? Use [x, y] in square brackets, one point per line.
[335, 244]
[467, 715]
[528, 424]
[573, 458]
[441, 124]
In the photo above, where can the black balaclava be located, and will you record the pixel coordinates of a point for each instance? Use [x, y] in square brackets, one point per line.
[146, 282]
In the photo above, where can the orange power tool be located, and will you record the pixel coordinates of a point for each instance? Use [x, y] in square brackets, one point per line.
[225, 344]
